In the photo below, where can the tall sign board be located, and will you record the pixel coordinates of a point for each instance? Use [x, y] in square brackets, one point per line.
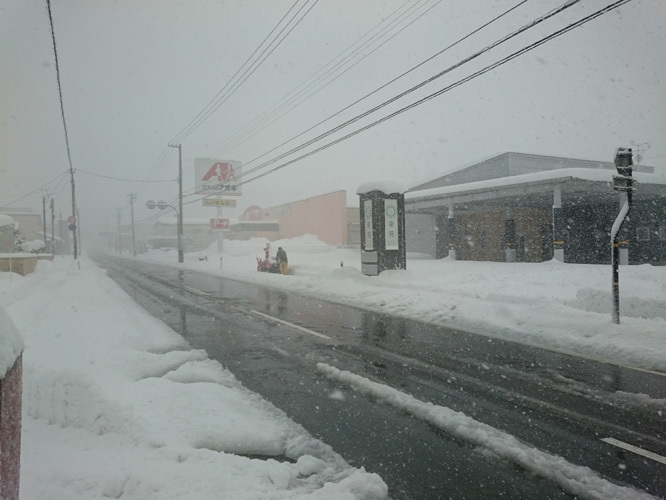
[383, 245]
[213, 176]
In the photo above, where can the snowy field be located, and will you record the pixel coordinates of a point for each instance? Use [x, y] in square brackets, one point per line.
[117, 405]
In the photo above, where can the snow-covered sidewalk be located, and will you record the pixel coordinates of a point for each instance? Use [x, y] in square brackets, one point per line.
[117, 405]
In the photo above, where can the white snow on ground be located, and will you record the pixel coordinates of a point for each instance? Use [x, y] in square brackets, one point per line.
[574, 479]
[565, 307]
[116, 404]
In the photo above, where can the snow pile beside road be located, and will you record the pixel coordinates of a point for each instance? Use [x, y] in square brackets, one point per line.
[574, 479]
[565, 307]
[121, 406]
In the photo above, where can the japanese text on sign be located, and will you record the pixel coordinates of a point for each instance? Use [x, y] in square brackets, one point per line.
[391, 224]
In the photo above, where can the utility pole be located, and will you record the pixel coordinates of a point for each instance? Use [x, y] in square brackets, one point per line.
[644, 146]
[62, 238]
[44, 219]
[180, 201]
[74, 235]
[52, 229]
[120, 238]
[132, 198]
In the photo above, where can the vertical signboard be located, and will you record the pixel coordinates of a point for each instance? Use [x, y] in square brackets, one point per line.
[217, 176]
[367, 211]
[391, 239]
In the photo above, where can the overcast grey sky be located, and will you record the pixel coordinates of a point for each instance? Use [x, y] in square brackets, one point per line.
[136, 72]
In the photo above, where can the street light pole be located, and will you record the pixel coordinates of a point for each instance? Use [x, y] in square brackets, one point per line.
[180, 201]
[132, 198]
[623, 183]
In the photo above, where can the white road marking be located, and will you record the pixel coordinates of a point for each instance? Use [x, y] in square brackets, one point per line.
[297, 327]
[267, 316]
[196, 292]
[635, 449]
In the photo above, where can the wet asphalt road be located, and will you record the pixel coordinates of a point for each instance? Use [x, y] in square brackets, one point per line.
[559, 404]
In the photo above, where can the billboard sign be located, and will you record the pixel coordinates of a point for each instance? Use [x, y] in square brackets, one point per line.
[217, 176]
[219, 224]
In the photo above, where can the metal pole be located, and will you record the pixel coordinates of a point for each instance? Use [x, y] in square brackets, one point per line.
[624, 184]
[44, 218]
[615, 256]
[76, 242]
[180, 201]
[52, 229]
[78, 230]
[120, 240]
[132, 197]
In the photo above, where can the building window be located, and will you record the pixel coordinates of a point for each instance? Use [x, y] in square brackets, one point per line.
[643, 233]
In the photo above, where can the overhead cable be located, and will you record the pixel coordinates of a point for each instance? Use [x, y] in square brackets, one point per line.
[223, 95]
[449, 87]
[325, 76]
[388, 83]
[120, 179]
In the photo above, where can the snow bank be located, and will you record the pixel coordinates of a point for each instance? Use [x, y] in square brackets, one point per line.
[116, 404]
[564, 307]
[575, 479]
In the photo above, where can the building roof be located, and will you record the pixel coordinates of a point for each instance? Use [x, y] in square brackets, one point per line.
[534, 189]
[514, 164]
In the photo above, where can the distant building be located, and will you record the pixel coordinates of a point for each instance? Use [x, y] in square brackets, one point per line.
[326, 217]
[197, 235]
[531, 208]
[6, 233]
[28, 223]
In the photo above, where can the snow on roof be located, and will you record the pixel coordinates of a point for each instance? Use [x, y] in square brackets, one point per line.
[386, 186]
[585, 174]
[5, 220]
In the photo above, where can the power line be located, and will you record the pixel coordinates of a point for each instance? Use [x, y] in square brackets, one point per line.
[449, 87]
[475, 55]
[120, 179]
[319, 77]
[223, 96]
[388, 83]
[64, 124]
[43, 186]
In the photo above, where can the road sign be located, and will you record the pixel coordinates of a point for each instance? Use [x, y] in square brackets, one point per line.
[151, 204]
[71, 219]
[219, 224]
[218, 202]
[72, 227]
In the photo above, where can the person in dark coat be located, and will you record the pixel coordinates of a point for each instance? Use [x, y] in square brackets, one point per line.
[282, 260]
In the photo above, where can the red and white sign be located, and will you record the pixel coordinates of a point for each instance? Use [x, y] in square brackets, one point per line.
[219, 224]
[217, 176]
